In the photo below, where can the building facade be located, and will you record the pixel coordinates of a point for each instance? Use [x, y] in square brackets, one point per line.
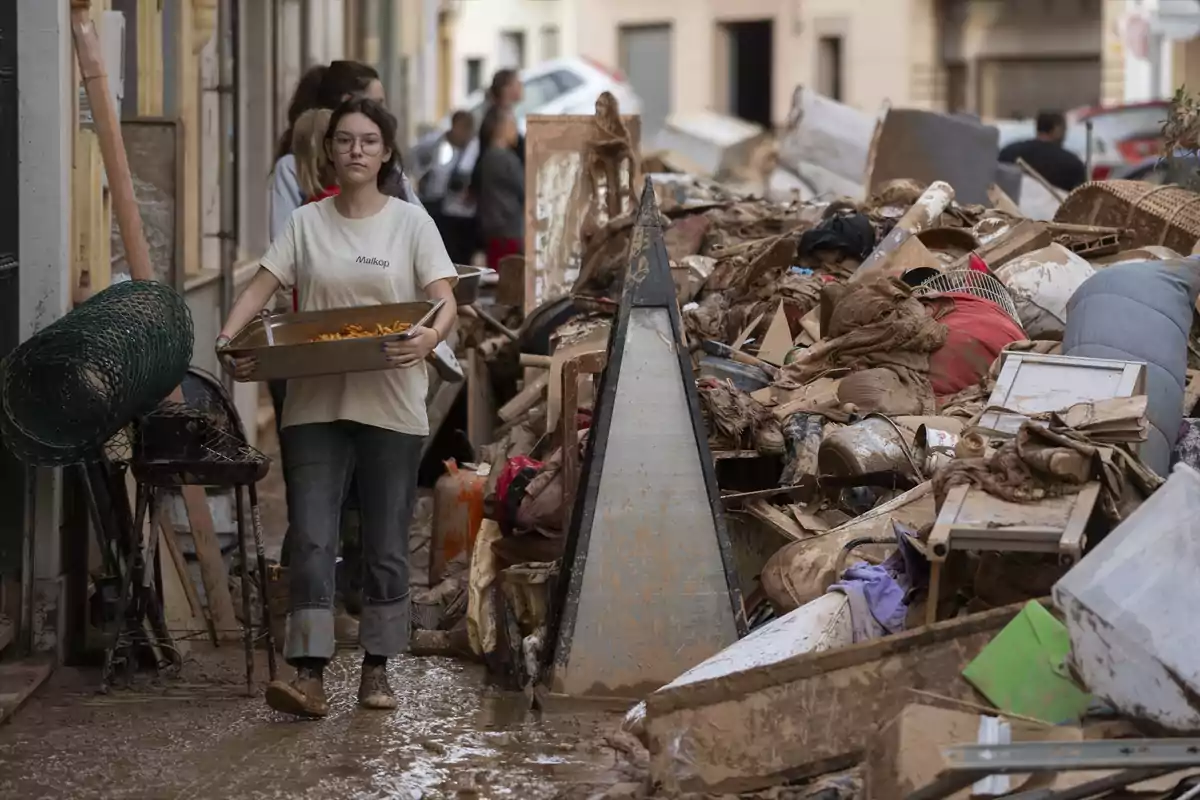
[994, 58]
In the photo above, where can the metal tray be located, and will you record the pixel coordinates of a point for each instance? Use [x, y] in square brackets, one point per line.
[466, 291]
[293, 355]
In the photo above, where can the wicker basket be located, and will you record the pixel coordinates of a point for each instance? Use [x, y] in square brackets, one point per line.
[1153, 215]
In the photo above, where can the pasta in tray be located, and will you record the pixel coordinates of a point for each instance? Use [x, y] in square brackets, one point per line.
[359, 332]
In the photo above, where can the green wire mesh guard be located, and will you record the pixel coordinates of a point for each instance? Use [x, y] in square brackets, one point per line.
[72, 386]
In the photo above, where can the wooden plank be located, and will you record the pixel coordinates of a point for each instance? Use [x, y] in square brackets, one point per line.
[526, 399]
[1003, 202]
[814, 713]
[212, 565]
[182, 609]
[777, 520]
[8, 632]
[1024, 237]
[481, 405]
[558, 198]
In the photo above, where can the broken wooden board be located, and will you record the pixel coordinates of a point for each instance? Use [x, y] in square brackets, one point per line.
[650, 587]
[806, 715]
[907, 756]
[481, 405]
[560, 195]
[778, 340]
[1024, 237]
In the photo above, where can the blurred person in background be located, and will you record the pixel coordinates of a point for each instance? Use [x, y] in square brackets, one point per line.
[1046, 153]
[501, 197]
[314, 169]
[445, 189]
[286, 197]
[505, 92]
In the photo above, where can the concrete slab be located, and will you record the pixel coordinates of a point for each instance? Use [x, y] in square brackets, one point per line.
[19, 680]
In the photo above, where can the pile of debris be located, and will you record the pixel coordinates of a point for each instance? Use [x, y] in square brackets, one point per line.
[925, 419]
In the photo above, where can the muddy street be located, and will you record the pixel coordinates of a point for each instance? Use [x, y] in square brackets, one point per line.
[451, 737]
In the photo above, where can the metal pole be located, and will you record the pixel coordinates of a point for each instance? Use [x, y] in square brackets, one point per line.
[227, 46]
[306, 58]
[1090, 149]
[28, 549]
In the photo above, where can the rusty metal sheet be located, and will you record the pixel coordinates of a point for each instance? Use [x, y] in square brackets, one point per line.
[650, 588]
[806, 715]
[926, 146]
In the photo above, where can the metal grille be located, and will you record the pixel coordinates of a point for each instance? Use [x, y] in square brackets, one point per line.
[972, 282]
[70, 388]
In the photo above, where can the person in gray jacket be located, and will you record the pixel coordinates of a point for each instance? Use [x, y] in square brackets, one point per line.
[501, 200]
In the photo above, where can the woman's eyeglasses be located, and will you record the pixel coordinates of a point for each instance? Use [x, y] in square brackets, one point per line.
[370, 145]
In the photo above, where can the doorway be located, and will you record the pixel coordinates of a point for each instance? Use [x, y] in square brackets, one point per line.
[751, 70]
[646, 54]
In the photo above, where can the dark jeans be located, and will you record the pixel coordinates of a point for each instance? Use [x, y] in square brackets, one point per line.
[348, 580]
[320, 461]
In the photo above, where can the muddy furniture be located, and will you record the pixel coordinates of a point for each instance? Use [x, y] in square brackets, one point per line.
[972, 519]
[649, 588]
[179, 445]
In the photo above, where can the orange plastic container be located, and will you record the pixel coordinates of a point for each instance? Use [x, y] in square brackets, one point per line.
[457, 515]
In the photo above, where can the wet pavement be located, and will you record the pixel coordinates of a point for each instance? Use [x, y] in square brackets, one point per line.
[450, 738]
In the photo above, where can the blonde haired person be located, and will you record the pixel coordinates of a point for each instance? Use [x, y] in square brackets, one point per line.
[314, 169]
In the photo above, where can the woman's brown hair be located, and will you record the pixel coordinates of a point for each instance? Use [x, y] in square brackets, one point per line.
[383, 120]
[303, 99]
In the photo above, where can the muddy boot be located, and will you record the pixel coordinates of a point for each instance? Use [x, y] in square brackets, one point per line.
[303, 697]
[374, 691]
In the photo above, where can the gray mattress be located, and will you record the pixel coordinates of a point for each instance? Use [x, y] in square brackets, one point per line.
[1141, 311]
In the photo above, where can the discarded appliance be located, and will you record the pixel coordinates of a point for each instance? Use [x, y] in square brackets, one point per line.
[649, 587]
[1127, 604]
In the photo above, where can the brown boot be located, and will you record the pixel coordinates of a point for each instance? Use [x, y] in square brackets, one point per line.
[303, 697]
[374, 691]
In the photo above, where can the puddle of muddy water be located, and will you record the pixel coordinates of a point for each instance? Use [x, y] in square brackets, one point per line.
[451, 737]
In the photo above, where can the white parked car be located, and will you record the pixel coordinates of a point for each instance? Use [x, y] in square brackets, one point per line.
[559, 86]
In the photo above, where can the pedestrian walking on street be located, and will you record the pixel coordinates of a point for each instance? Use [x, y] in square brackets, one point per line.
[360, 247]
[445, 189]
[506, 92]
[501, 188]
[1046, 153]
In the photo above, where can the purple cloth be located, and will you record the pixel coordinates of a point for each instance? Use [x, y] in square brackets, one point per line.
[872, 589]
[878, 594]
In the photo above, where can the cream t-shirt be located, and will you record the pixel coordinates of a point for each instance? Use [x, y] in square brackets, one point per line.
[337, 262]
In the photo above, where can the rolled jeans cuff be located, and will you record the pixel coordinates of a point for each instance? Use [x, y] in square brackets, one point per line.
[309, 634]
[384, 628]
